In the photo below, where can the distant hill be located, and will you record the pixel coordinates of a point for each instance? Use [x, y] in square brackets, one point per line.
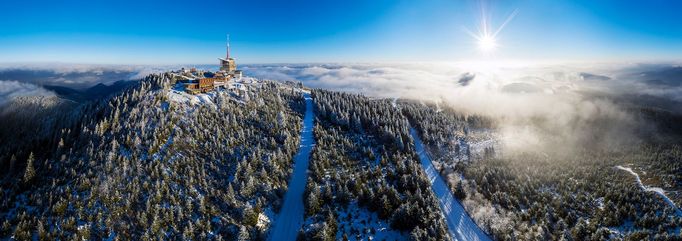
[670, 76]
[97, 91]
[76, 78]
[590, 76]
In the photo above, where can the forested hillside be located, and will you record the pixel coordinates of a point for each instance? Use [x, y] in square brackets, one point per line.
[365, 178]
[140, 166]
[151, 162]
[548, 195]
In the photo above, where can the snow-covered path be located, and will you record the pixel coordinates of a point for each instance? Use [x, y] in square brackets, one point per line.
[657, 190]
[460, 225]
[290, 218]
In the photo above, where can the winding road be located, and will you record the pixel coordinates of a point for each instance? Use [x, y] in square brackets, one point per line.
[290, 218]
[460, 225]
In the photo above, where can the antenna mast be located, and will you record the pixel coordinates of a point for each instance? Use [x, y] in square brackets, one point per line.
[228, 47]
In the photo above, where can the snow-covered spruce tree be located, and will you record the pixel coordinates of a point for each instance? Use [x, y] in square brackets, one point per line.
[30, 171]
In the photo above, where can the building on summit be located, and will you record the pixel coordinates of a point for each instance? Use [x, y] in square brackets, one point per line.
[228, 64]
[228, 72]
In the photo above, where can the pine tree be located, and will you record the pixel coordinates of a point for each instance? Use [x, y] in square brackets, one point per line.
[230, 196]
[459, 191]
[331, 224]
[12, 162]
[30, 172]
[243, 234]
[313, 204]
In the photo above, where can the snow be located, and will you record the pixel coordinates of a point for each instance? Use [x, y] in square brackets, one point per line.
[656, 190]
[626, 227]
[206, 98]
[363, 222]
[83, 226]
[480, 139]
[290, 219]
[237, 91]
[600, 203]
[183, 97]
[263, 221]
[460, 225]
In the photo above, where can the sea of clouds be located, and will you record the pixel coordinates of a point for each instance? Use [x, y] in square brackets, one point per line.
[539, 106]
[76, 75]
[13, 89]
[482, 88]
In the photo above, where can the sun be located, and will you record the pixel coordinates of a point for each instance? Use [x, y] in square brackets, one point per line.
[487, 43]
[486, 36]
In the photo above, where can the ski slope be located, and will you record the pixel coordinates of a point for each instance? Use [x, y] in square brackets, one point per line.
[656, 190]
[460, 225]
[290, 217]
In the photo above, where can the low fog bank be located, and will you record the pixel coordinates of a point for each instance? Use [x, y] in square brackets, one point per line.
[76, 82]
[554, 108]
[13, 89]
[77, 76]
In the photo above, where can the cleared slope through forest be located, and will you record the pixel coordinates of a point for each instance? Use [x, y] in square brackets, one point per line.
[290, 218]
[460, 225]
[657, 190]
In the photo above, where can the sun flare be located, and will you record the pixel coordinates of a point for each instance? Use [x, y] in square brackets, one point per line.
[487, 44]
[486, 36]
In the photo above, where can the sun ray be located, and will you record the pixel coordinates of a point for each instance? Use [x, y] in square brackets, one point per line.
[509, 18]
[486, 37]
[472, 34]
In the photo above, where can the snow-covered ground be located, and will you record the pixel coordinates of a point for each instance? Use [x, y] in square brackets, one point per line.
[180, 96]
[460, 225]
[290, 218]
[480, 139]
[358, 223]
[656, 190]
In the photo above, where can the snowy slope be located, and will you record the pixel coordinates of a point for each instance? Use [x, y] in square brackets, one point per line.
[290, 218]
[657, 190]
[183, 97]
[460, 225]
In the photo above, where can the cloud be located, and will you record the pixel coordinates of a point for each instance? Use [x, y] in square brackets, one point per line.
[76, 75]
[479, 83]
[537, 105]
[12, 89]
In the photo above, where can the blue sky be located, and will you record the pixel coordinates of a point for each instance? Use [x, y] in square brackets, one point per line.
[294, 31]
